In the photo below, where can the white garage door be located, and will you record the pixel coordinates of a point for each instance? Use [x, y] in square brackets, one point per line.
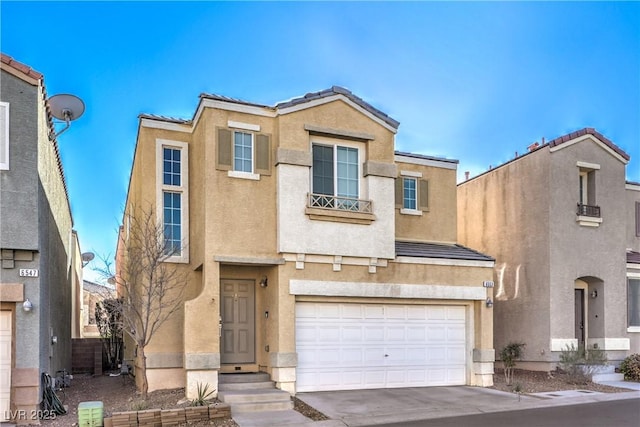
[5, 364]
[345, 346]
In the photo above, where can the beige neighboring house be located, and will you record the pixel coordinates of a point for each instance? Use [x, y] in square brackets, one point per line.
[563, 226]
[316, 252]
[92, 293]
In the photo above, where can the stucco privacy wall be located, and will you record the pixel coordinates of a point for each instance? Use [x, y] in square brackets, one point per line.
[505, 214]
[591, 252]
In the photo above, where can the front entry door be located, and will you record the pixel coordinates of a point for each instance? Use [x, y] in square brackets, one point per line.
[579, 301]
[238, 325]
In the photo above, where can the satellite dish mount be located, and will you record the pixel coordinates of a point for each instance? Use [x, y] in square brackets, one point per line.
[67, 108]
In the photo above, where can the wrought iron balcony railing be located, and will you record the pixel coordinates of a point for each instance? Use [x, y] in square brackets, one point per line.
[588, 210]
[324, 201]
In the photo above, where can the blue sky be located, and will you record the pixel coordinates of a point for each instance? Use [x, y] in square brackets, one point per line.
[474, 81]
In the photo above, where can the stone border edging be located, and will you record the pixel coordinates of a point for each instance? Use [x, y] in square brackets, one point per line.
[167, 417]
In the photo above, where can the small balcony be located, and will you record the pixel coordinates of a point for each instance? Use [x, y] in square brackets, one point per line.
[588, 210]
[324, 201]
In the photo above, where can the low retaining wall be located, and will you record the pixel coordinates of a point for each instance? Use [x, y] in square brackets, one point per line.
[168, 417]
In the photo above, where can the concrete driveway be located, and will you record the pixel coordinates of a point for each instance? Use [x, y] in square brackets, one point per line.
[367, 407]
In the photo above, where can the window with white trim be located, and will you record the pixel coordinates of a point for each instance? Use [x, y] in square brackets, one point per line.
[633, 302]
[243, 151]
[412, 193]
[409, 193]
[172, 197]
[4, 136]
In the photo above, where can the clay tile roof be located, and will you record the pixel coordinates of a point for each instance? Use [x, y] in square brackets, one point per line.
[19, 66]
[164, 118]
[311, 96]
[433, 250]
[588, 131]
[633, 257]
[338, 90]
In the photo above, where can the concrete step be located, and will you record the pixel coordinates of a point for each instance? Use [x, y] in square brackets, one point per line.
[246, 386]
[260, 407]
[254, 396]
[598, 378]
[243, 378]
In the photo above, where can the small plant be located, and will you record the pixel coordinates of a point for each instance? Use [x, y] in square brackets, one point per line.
[204, 394]
[630, 367]
[139, 405]
[517, 388]
[579, 363]
[509, 355]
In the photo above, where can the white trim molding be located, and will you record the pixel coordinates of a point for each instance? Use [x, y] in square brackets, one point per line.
[586, 165]
[559, 344]
[411, 173]
[164, 125]
[610, 343]
[4, 138]
[444, 261]
[244, 126]
[632, 187]
[415, 212]
[243, 175]
[443, 164]
[386, 290]
[588, 221]
[633, 329]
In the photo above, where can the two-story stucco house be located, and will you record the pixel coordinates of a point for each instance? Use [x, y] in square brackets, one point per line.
[41, 267]
[562, 224]
[316, 253]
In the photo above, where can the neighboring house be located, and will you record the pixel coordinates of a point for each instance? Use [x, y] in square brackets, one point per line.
[316, 252]
[41, 267]
[92, 294]
[563, 227]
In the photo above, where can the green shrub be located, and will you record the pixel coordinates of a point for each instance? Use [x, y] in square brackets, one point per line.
[630, 367]
[580, 363]
[509, 355]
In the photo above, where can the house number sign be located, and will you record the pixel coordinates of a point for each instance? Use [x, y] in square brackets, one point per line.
[28, 272]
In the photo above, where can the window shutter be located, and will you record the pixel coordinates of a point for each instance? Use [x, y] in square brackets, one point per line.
[399, 192]
[263, 154]
[224, 158]
[423, 196]
[638, 219]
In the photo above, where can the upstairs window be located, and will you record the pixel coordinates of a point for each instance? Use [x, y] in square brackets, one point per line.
[4, 135]
[243, 152]
[587, 205]
[412, 193]
[172, 193]
[171, 166]
[335, 179]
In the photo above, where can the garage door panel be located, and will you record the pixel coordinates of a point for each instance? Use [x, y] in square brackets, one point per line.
[343, 346]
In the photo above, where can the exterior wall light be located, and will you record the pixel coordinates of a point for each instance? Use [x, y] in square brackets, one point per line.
[594, 293]
[264, 282]
[27, 305]
[489, 303]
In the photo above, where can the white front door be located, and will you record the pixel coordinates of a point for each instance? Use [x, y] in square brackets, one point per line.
[5, 364]
[349, 346]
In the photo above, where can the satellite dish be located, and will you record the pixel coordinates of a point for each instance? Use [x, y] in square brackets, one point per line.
[88, 256]
[67, 108]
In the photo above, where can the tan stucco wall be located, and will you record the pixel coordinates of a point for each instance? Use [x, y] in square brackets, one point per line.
[505, 214]
[438, 222]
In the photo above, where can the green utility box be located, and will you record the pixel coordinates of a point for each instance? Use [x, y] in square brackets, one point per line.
[90, 414]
